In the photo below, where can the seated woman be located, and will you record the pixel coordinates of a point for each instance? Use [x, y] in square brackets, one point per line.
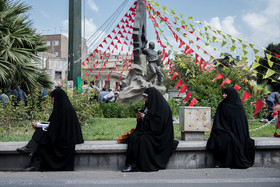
[152, 143]
[229, 139]
[54, 149]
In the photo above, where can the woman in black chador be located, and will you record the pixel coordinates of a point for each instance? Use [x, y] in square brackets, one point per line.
[229, 139]
[56, 146]
[152, 143]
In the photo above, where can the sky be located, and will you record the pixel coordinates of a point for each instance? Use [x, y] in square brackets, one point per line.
[255, 21]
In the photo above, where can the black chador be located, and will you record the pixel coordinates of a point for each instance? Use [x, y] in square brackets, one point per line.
[152, 143]
[229, 139]
[56, 149]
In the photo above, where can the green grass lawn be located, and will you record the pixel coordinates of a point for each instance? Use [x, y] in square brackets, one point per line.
[111, 129]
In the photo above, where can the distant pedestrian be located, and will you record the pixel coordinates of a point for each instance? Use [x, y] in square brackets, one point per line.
[101, 95]
[4, 98]
[271, 101]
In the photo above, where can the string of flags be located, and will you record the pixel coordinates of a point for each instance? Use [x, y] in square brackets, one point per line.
[118, 41]
[191, 48]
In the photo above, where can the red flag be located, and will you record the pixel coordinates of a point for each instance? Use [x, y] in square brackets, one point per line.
[227, 80]
[187, 96]
[201, 61]
[245, 96]
[258, 107]
[204, 65]
[276, 55]
[90, 70]
[258, 91]
[179, 83]
[83, 63]
[183, 89]
[193, 102]
[189, 52]
[236, 87]
[174, 75]
[196, 58]
[219, 76]
[186, 48]
[181, 43]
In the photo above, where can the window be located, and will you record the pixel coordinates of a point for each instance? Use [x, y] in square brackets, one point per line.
[48, 43]
[58, 75]
[55, 43]
[56, 53]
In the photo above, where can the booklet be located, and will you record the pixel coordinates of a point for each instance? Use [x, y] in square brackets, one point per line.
[44, 125]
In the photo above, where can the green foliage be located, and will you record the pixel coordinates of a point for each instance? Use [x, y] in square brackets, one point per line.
[207, 92]
[174, 105]
[275, 48]
[19, 45]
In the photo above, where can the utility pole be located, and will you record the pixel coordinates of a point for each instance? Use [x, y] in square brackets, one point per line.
[74, 43]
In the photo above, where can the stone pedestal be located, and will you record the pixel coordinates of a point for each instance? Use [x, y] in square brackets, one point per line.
[194, 121]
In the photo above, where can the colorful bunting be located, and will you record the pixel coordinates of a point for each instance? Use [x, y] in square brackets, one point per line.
[193, 102]
[246, 96]
[259, 105]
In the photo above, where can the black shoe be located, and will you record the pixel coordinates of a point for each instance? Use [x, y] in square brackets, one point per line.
[32, 168]
[24, 149]
[127, 169]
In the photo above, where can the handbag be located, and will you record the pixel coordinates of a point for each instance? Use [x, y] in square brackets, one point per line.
[123, 138]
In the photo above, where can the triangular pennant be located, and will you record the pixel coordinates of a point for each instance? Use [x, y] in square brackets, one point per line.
[219, 76]
[246, 96]
[227, 80]
[187, 96]
[193, 102]
[259, 105]
[180, 82]
[236, 87]
[183, 89]
[269, 73]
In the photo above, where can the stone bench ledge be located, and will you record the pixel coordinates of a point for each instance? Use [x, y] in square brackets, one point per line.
[114, 147]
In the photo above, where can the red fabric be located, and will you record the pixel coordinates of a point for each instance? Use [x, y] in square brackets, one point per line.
[183, 89]
[186, 48]
[189, 51]
[180, 82]
[227, 80]
[204, 65]
[187, 96]
[181, 43]
[236, 87]
[193, 102]
[174, 75]
[258, 107]
[196, 58]
[219, 76]
[201, 61]
[246, 96]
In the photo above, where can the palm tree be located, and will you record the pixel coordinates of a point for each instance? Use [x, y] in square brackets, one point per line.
[19, 45]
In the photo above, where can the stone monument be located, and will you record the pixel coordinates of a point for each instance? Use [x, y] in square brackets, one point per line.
[135, 83]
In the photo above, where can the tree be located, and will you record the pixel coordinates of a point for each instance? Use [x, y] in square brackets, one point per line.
[19, 45]
[206, 91]
[262, 69]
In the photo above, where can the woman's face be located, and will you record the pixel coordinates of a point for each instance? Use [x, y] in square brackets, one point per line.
[224, 95]
[146, 99]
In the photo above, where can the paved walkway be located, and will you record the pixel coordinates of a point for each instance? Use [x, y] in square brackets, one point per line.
[251, 177]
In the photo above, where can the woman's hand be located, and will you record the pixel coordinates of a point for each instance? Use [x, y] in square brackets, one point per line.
[34, 124]
[140, 115]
